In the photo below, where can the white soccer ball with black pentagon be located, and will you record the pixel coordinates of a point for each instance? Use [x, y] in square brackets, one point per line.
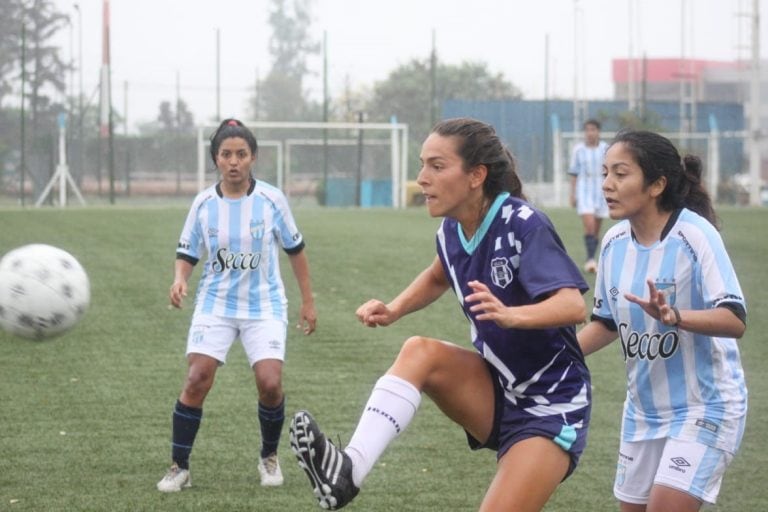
[44, 291]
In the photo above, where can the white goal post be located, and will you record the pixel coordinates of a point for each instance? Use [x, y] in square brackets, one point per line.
[285, 136]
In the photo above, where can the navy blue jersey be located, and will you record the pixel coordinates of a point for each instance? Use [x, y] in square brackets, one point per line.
[519, 256]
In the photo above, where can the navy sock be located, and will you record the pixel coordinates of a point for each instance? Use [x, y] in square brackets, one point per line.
[186, 422]
[591, 242]
[271, 421]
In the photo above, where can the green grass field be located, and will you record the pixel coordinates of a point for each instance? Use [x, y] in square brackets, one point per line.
[85, 419]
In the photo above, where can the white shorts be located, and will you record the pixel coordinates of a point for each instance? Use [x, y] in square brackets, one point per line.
[213, 336]
[688, 466]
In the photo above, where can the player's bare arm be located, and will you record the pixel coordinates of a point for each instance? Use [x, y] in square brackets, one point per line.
[710, 322]
[307, 313]
[182, 270]
[563, 307]
[428, 286]
[594, 336]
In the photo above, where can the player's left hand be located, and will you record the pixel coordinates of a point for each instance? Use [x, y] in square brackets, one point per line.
[656, 305]
[489, 306]
[308, 319]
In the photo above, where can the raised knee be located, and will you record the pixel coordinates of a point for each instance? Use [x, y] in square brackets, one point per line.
[419, 347]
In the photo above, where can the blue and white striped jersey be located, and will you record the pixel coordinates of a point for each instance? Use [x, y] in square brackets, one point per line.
[241, 276]
[587, 166]
[518, 255]
[679, 384]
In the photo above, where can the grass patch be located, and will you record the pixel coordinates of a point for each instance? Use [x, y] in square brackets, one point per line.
[85, 418]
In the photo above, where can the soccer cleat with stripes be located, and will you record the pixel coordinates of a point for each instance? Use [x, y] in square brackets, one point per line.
[329, 469]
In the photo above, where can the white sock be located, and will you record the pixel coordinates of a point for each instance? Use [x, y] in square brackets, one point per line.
[389, 410]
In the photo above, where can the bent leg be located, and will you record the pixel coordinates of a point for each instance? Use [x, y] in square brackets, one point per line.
[271, 409]
[200, 375]
[188, 412]
[269, 381]
[456, 379]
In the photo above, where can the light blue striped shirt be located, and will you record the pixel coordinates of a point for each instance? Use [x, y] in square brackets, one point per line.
[587, 166]
[241, 276]
[679, 384]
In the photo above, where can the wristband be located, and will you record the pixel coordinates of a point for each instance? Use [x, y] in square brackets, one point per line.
[677, 316]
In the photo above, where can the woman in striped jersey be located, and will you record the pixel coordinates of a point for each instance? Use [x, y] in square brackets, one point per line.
[238, 225]
[667, 290]
[585, 171]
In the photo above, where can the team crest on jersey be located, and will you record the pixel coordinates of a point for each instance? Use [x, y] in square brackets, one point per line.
[501, 274]
[667, 288]
[257, 229]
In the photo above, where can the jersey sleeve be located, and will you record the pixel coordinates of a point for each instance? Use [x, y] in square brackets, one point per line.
[573, 168]
[190, 244]
[285, 226]
[544, 263]
[719, 283]
[600, 310]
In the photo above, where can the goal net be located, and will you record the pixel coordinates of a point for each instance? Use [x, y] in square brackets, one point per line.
[328, 164]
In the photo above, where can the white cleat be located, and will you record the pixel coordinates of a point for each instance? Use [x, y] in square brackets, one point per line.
[269, 470]
[175, 480]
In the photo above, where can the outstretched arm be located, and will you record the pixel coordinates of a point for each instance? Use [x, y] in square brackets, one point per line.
[563, 307]
[428, 286]
[711, 322]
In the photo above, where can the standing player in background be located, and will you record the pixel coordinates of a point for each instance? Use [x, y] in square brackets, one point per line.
[686, 403]
[241, 223]
[524, 392]
[586, 172]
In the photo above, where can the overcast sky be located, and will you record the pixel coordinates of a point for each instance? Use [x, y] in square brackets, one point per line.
[155, 41]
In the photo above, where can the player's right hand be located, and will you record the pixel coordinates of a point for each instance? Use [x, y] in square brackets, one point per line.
[375, 313]
[177, 293]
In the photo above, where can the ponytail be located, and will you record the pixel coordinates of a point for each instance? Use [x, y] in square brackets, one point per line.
[692, 193]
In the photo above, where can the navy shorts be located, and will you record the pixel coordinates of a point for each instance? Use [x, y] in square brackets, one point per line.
[511, 425]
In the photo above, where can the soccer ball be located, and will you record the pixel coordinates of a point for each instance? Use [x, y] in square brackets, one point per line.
[44, 291]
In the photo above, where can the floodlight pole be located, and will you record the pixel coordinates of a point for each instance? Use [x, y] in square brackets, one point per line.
[576, 121]
[23, 158]
[754, 115]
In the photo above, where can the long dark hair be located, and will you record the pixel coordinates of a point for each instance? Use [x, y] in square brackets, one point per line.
[479, 145]
[657, 157]
[230, 128]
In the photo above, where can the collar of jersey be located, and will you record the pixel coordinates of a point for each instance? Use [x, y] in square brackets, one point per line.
[471, 245]
[251, 188]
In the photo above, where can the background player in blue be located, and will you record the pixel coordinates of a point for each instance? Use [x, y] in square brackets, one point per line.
[586, 172]
[240, 223]
[524, 391]
[666, 288]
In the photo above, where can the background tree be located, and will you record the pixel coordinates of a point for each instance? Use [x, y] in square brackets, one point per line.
[406, 93]
[45, 66]
[10, 44]
[180, 120]
[282, 91]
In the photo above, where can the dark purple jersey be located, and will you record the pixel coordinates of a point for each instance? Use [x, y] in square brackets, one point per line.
[519, 256]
